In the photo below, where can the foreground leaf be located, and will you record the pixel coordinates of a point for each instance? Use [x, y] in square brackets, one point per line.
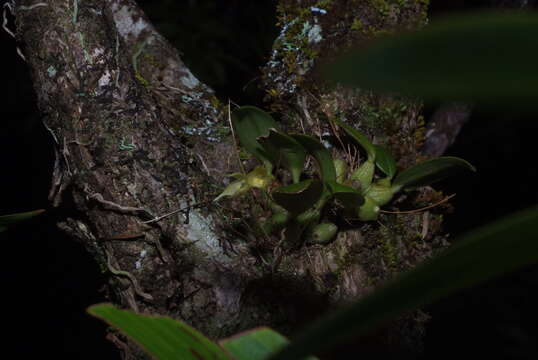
[11, 219]
[430, 171]
[255, 344]
[249, 123]
[489, 251]
[161, 337]
[297, 198]
[489, 57]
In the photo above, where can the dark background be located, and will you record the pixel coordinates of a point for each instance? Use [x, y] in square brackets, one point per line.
[47, 280]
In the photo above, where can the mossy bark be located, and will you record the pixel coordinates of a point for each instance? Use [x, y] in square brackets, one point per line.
[138, 136]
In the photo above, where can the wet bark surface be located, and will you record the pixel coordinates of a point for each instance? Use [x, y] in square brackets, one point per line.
[137, 136]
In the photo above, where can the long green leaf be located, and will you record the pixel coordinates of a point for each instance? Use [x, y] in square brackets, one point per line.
[321, 154]
[484, 253]
[255, 344]
[429, 172]
[290, 151]
[297, 198]
[10, 219]
[161, 337]
[249, 123]
[489, 57]
[358, 137]
[385, 161]
[350, 198]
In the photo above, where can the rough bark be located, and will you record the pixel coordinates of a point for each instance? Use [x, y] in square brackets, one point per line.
[138, 136]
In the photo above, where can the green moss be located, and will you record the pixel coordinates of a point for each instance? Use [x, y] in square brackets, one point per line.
[389, 252]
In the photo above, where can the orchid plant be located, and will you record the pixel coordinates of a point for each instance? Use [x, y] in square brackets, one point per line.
[298, 206]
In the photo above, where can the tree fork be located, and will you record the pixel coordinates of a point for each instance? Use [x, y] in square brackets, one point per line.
[134, 128]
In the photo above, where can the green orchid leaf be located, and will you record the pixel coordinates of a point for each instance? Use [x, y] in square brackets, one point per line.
[15, 218]
[161, 337]
[364, 174]
[249, 123]
[290, 152]
[299, 197]
[341, 170]
[429, 172]
[320, 153]
[358, 137]
[484, 253]
[350, 198]
[483, 57]
[380, 193]
[385, 161]
[256, 344]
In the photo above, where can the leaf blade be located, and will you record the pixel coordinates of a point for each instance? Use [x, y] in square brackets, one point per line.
[430, 171]
[486, 57]
[255, 344]
[290, 151]
[161, 337]
[321, 154]
[299, 197]
[249, 123]
[358, 137]
[385, 161]
[11, 219]
[350, 198]
[484, 253]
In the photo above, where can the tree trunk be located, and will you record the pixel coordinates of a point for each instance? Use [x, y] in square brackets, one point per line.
[138, 136]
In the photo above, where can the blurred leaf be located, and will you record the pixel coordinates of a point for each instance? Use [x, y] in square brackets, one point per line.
[385, 161]
[15, 218]
[358, 137]
[161, 337]
[297, 198]
[249, 124]
[321, 154]
[290, 151]
[255, 344]
[429, 172]
[350, 198]
[489, 251]
[489, 57]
